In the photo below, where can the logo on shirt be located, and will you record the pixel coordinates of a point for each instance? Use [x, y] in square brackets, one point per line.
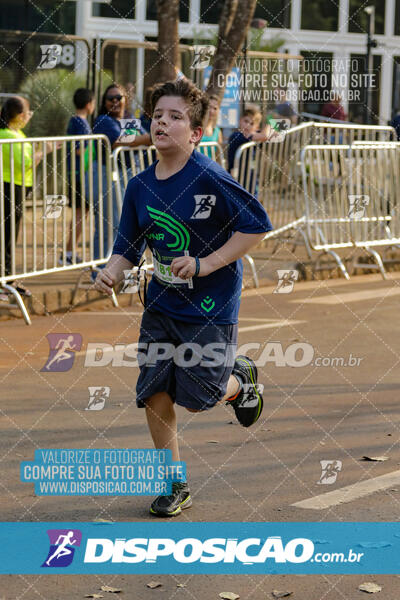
[204, 204]
[177, 230]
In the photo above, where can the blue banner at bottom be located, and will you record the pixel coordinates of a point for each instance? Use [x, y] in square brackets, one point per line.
[195, 548]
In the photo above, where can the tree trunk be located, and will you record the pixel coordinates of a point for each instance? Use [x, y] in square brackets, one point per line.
[234, 24]
[168, 39]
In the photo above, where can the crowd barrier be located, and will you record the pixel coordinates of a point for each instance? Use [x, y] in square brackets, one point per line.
[33, 209]
[42, 206]
[35, 191]
[351, 200]
[273, 172]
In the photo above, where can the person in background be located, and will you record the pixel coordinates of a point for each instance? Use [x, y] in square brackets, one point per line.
[15, 115]
[108, 123]
[334, 108]
[248, 132]
[85, 104]
[212, 133]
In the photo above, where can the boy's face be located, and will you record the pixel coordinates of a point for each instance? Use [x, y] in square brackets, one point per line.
[171, 130]
[248, 125]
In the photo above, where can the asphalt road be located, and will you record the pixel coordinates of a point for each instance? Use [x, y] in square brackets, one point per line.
[322, 410]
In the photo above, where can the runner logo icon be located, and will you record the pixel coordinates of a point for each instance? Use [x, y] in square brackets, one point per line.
[62, 547]
[330, 470]
[62, 347]
[204, 204]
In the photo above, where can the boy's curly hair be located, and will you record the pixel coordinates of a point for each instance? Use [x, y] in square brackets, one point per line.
[183, 88]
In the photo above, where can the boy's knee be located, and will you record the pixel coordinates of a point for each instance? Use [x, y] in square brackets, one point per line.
[161, 399]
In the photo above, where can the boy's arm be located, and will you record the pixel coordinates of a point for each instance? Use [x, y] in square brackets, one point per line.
[112, 274]
[140, 140]
[236, 247]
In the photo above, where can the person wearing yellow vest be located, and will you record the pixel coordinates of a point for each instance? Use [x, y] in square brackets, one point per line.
[14, 116]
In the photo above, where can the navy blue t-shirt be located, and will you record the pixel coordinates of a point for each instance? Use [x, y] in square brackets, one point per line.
[77, 126]
[195, 211]
[236, 140]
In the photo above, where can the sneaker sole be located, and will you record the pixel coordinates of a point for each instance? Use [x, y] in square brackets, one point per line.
[183, 506]
[254, 382]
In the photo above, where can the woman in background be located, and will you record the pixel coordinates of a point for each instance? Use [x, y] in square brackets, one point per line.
[108, 122]
[15, 115]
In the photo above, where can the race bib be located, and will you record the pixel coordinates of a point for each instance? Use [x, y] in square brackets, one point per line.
[165, 274]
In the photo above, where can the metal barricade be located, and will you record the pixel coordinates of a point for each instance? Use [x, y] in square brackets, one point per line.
[351, 201]
[272, 171]
[49, 187]
[213, 150]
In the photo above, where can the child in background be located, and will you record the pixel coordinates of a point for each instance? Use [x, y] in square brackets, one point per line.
[85, 104]
[248, 125]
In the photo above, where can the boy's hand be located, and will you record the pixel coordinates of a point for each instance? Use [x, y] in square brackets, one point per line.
[264, 136]
[185, 267]
[105, 282]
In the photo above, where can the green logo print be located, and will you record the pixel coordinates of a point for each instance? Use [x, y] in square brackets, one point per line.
[179, 231]
[207, 304]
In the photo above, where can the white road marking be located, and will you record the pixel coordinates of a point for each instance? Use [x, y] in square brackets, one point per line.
[351, 296]
[283, 323]
[350, 492]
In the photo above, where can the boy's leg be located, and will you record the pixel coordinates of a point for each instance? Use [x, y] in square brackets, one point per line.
[232, 388]
[161, 419]
[243, 392]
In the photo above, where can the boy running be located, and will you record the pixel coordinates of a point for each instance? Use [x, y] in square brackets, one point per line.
[198, 222]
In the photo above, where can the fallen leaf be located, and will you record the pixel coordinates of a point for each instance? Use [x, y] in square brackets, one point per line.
[154, 584]
[181, 585]
[94, 596]
[102, 521]
[117, 404]
[212, 442]
[278, 594]
[229, 596]
[107, 588]
[376, 458]
[370, 587]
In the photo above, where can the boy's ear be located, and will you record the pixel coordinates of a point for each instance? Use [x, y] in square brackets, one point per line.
[196, 135]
